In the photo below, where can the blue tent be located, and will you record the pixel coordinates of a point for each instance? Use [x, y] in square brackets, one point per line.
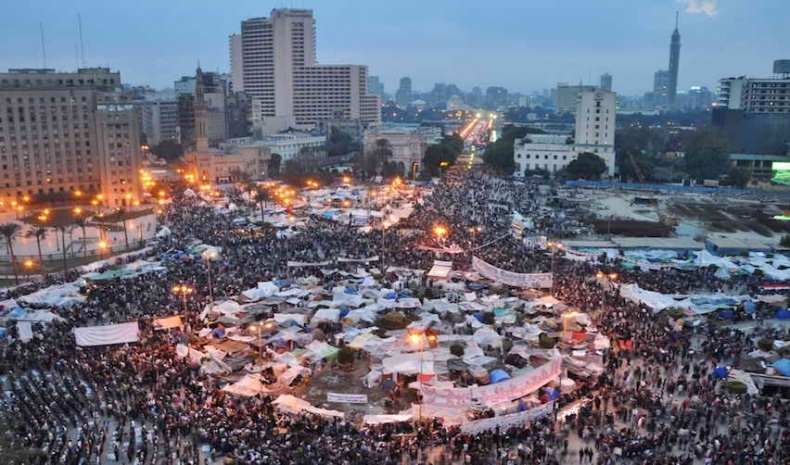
[552, 393]
[479, 316]
[351, 290]
[219, 332]
[749, 306]
[726, 314]
[783, 366]
[344, 312]
[404, 293]
[719, 373]
[498, 375]
[3, 332]
[783, 314]
[391, 295]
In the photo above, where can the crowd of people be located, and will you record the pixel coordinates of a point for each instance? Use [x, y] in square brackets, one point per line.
[140, 404]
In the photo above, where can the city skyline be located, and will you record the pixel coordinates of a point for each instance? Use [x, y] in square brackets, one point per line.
[523, 46]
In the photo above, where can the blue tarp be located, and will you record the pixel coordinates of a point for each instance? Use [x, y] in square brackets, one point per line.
[783, 314]
[3, 332]
[282, 282]
[344, 312]
[749, 306]
[726, 314]
[719, 373]
[479, 316]
[551, 393]
[783, 366]
[498, 375]
[219, 332]
[351, 290]
[391, 295]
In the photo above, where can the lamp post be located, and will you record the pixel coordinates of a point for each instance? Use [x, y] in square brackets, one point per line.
[209, 256]
[102, 248]
[608, 278]
[183, 290]
[553, 247]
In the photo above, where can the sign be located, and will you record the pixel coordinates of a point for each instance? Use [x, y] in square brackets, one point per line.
[506, 391]
[532, 280]
[374, 258]
[504, 422]
[346, 398]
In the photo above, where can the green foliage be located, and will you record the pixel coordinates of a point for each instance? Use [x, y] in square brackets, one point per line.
[586, 166]
[340, 143]
[735, 387]
[499, 156]
[346, 356]
[765, 345]
[457, 350]
[274, 164]
[168, 150]
[445, 152]
[543, 173]
[738, 177]
[304, 165]
[546, 342]
[675, 312]
[706, 154]
[393, 321]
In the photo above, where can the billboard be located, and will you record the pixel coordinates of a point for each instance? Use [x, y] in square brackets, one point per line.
[780, 172]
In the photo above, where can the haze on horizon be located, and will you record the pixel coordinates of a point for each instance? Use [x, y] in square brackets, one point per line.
[523, 45]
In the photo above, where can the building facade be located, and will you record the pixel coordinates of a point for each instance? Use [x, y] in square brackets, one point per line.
[404, 94]
[159, 120]
[606, 82]
[236, 63]
[408, 143]
[58, 136]
[288, 87]
[567, 96]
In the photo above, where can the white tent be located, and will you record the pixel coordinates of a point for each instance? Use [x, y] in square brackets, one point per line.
[247, 386]
[291, 404]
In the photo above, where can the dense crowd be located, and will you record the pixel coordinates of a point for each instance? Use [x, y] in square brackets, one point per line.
[655, 402]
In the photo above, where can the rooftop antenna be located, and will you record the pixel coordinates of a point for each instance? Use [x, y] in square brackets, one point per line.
[43, 46]
[82, 42]
[677, 18]
[76, 55]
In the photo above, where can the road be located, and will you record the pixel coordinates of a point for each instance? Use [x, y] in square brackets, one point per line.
[475, 135]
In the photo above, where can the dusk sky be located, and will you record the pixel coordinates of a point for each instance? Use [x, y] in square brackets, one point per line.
[524, 45]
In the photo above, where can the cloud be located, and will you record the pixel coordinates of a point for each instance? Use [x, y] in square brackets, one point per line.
[708, 7]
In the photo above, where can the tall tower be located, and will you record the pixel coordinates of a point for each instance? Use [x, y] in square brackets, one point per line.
[201, 113]
[674, 64]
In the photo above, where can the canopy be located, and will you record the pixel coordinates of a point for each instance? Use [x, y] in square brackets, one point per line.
[782, 366]
[291, 404]
[498, 375]
[247, 386]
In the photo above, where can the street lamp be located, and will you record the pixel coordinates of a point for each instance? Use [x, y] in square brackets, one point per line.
[184, 290]
[209, 256]
[102, 248]
[440, 231]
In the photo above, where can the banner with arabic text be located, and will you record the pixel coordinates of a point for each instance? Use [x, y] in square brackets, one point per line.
[532, 280]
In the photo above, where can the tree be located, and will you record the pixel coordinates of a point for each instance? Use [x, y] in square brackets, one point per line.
[382, 153]
[340, 143]
[63, 228]
[738, 177]
[442, 154]
[706, 153]
[10, 231]
[262, 197]
[82, 224]
[168, 150]
[586, 166]
[39, 233]
[274, 164]
[499, 155]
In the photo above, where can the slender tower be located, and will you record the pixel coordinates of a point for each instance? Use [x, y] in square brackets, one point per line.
[674, 64]
[201, 116]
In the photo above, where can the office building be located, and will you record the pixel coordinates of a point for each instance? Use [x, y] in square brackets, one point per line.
[674, 65]
[404, 94]
[567, 96]
[496, 97]
[159, 120]
[61, 133]
[606, 82]
[215, 87]
[755, 112]
[236, 64]
[375, 86]
[288, 87]
[594, 133]
[660, 87]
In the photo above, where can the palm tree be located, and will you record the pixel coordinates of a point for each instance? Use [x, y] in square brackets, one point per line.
[82, 224]
[10, 231]
[63, 228]
[39, 233]
[262, 197]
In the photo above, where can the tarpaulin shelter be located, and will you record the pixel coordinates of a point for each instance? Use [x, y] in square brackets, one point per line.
[719, 373]
[783, 314]
[498, 375]
[782, 366]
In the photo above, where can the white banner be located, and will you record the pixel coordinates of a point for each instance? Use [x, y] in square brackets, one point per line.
[306, 264]
[374, 258]
[507, 421]
[533, 280]
[106, 335]
[168, 322]
[347, 398]
[492, 394]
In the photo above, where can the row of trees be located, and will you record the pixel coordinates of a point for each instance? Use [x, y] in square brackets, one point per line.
[499, 155]
[442, 154]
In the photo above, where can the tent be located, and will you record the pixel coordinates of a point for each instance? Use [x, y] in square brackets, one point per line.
[498, 375]
[783, 314]
[291, 404]
[247, 386]
[783, 366]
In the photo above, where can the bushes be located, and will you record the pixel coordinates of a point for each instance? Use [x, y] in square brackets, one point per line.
[735, 387]
[547, 342]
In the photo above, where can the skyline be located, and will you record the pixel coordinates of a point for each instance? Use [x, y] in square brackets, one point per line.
[508, 44]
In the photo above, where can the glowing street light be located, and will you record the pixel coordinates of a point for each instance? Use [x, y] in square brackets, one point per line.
[184, 290]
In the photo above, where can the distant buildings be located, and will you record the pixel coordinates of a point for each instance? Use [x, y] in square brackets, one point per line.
[287, 85]
[606, 82]
[375, 86]
[160, 120]
[404, 94]
[660, 87]
[594, 133]
[215, 88]
[66, 132]
[236, 64]
[496, 97]
[566, 97]
[755, 112]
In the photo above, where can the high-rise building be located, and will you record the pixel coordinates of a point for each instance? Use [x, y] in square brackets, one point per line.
[595, 124]
[62, 132]
[375, 86]
[674, 64]
[215, 87]
[404, 94]
[288, 87]
[236, 63]
[159, 120]
[606, 82]
[496, 97]
[660, 87]
[567, 97]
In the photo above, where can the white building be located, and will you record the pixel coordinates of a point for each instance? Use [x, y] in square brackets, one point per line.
[288, 86]
[595, 127]
[236, 63]
[408, 142]
[567, 97]
[287, 145]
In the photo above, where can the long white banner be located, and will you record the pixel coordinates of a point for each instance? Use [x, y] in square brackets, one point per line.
[515, 388]
[106, 335]
[346, 398]
[533, 280]
[507, 421]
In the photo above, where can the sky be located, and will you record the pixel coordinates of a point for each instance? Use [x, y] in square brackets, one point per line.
[523, 45]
